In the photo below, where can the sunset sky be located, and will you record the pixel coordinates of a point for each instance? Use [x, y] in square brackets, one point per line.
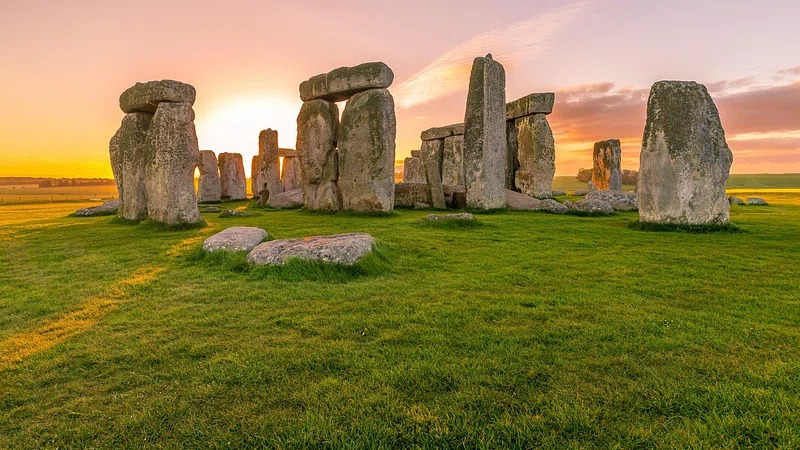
[63, 65]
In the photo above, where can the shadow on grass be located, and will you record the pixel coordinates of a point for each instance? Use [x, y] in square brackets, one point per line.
[697, 229]
[589, 214]
[323, 212]
[97, 214]
[374, 264]
[152, 225]
[450, 224]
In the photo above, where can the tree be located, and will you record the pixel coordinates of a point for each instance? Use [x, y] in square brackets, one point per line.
[584, 175]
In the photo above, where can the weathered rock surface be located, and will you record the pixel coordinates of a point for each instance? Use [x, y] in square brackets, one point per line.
[736, 201]
[536, 153]
[232, 179]
[145, 97]
[210, 209]
[269, 173]
[443, 217]
[317, 133]
[442, 132]
[235, 239]
[485, 135]
[517, 201]
[291, 178]
[229, 213]
[685, 160]
[607, 165]
[344, 249]
[413, 171]
[106, 209]
[432, 152]
[408, 195]
[342, 83]
[553, 206]
[416, 153]
[130, 158]
[756, 201]
[287, 152]
[555, 193]
[209, 185]
[366, 152]
[589, 206]
[538, 103]
[453, 161]
[287, 199]
[255, 176]
[620, 201]
[512, 162]
[172, 138]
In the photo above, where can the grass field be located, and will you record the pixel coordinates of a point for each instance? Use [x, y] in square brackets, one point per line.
[529, 331]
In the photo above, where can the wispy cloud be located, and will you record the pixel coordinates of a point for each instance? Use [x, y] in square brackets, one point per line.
[450, 72]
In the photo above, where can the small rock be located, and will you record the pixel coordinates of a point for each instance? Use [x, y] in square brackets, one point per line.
[553, 206]
[238, 213]
[342, 83]
[756, 201]
[736, 201]
[288, 199]
[235, 239]
[106, 209]
[338, 249]
[211, 209]
[440, 217]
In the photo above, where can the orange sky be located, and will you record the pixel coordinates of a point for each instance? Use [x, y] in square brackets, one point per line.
[65, 64]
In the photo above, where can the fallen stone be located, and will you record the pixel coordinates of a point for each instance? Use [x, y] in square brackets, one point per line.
[342, 83]
[756, 201]
[209, 185]
[581, 192]
[145, 97]
[589, 206]
[366, 152]
[485, 135]
[211, 209]
[536, 153]
[130, 157]
[317, 132]
[607, 165]
[444, 217]
[620, 201]
[235, 239]
[346, 249]
[553, 206]
[432, 164]
[413, 171]
[685, 160]
[539, 103]
[442, 132]
[106, 209]
[555, 193]
[172, 139]
[736, 201]
[228, 213]
[408, 195]
[232, 178]
[512, 163]
[453, 161]
[287, 199]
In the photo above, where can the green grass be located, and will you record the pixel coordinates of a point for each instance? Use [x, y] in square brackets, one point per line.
[650, 226]
[530, 331]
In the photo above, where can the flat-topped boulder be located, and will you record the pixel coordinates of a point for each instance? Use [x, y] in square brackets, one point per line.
[342, 83]
[432, 134]
[736, 201]
[346, 249]
[209, 187]
[287, 199]
[538, 103]
[106, 209]
[235, 239]
[145, 97]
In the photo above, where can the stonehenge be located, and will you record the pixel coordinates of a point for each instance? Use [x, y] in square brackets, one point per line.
[348, 164]
[607, 165]
[154, 153]
[209, 187]
[233, 184]
[531, 155]
[685, 160]
[485, 149]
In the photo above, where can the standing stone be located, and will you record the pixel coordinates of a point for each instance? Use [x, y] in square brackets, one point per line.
[485, 135]
[270, 168]
[432, 152]
[366, 152]
[536, 153]
[255, 178]
[453, 161]
[412, 170]
[209, 188]
[607, 167]
[290, 174]
[172, 139]
[685, 160]
[130, 157]
[317, 133]
[512, 163]
[232, 178]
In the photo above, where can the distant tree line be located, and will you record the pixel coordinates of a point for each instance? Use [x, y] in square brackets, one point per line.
[628, 176]
[70, 182]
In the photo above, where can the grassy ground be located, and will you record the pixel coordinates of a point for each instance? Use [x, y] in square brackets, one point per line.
[528, 331]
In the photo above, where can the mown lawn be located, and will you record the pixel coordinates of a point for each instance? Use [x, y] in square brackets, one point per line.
[528, 331]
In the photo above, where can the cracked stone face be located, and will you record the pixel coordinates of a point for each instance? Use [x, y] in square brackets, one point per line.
[536, 154]
[317, 133]
[607, 165]
[209, 188]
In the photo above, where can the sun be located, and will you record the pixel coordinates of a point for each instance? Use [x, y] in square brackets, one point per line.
[233, 125]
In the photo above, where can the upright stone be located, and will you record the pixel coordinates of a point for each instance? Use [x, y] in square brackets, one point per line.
[366, 152]
[453, 161]
[232, 178]
[512, 163]
[290, 174]
[130, 157]
[172, 139]
[255, 175]
[317, 133]
[485, 135]
[209, 188]
[685, 159]
[270, 164]
[412, 170]
[536, 154]
[432, 152]
[606, 168]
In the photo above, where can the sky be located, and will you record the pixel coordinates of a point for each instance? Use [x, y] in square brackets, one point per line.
[63, 65]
